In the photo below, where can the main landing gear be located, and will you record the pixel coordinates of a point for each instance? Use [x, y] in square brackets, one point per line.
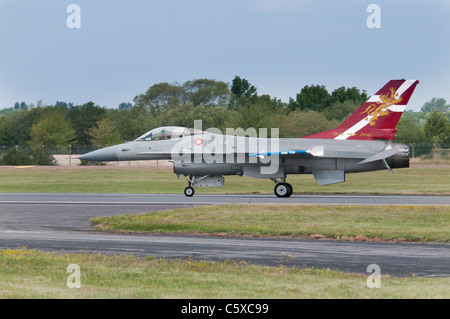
[282, 189]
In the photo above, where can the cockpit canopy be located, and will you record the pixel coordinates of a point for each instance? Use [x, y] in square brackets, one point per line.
[168, 133]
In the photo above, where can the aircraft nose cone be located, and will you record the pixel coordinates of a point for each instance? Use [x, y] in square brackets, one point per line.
[104, 154]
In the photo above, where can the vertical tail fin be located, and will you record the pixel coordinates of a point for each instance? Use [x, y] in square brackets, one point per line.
[378, 117]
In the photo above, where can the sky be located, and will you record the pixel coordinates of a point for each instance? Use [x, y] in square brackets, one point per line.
[123, 47]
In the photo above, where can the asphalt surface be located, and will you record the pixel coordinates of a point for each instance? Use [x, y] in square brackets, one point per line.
[60, 222]
[220, 199]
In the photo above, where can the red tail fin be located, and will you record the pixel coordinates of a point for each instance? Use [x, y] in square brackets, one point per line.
[378, 117]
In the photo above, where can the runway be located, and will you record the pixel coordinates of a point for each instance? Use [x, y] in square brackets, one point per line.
[60, 222]
[201, 199]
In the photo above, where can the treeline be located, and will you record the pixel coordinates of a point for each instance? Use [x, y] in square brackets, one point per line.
[216, 103]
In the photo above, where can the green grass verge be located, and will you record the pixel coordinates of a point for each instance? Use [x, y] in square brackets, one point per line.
[426, 181]
[371, 222]
[33, 274]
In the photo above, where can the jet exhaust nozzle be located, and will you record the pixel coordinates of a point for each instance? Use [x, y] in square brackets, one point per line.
[401, 159]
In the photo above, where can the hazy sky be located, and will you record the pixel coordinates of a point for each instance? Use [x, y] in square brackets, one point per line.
[124, 47]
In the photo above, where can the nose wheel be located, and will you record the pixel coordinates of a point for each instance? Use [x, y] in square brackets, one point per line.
[189, 191]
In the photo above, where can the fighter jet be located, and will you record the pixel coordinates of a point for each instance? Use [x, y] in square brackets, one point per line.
[363, 142]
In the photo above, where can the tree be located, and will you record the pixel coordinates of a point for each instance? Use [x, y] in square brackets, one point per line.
[343, 94]
[132, 123]
[185, 115]
[125, 105]
[21, 123]
[273, 104]
[258, 114]
[300, 124]
[20, 106]
[408, 132]
[341, 110]
[243, 88]
[314, 97]
[417, 117]
[435, 104]
[16, 156]
[104, 133]
[206, 92]
[64, 104]
[5, 129]
[317, 98]
[83, 117]
[437, 127]
[51, 130]
[160, 97]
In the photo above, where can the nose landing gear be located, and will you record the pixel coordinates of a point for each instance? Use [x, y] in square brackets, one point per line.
[189, 191]
[203, 181]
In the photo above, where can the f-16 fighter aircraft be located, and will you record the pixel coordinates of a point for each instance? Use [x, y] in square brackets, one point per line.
[363, 142]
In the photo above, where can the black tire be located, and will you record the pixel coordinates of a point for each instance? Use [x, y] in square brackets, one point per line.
[291, 190]
[283, 190]
[189, 191]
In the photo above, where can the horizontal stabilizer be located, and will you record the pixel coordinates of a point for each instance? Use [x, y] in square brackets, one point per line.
[382, 155]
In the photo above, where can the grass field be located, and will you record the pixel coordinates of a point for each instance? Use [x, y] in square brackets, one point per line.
[340, 222]
[423, 181]
[32, 274]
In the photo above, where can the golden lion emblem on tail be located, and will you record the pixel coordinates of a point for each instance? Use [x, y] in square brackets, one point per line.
[377, 110]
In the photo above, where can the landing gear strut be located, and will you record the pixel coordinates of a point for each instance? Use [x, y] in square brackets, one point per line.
[282, 189]
[189, 191]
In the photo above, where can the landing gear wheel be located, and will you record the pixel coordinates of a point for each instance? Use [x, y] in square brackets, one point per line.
[189, 191]
[290, 190]
[283, 190]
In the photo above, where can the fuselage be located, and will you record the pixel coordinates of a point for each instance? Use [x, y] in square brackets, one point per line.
[214, 154]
